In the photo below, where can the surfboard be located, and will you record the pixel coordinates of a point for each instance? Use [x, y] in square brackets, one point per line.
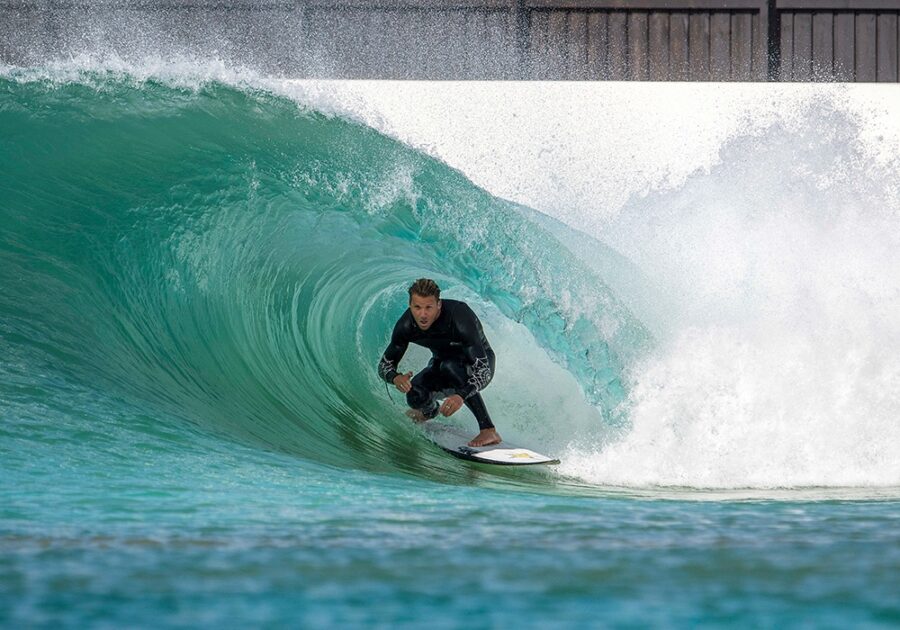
[455, 441]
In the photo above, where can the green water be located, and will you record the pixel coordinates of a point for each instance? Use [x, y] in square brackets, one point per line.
[197, 283]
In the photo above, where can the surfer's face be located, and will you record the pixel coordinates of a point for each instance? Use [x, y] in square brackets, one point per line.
[424, 310]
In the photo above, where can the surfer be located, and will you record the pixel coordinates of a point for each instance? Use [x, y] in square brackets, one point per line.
[462, 361]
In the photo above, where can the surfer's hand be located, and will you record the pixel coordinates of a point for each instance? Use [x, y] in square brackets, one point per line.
[401, 382]
[452, 405]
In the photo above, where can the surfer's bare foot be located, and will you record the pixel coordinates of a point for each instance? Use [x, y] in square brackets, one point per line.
[416, 415]
[486, 437]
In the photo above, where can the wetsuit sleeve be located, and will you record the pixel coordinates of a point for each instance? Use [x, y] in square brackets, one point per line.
[387, 366]
[477, 354]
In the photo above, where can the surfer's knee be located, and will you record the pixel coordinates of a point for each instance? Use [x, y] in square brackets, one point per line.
[454, 372]
[416, 397]
[423, 400]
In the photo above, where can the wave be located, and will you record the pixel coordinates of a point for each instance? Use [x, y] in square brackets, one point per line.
[228, 257]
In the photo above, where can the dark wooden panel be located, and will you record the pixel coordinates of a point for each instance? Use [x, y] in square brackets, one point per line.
[328, 29]
[392, 52]
[517, 26]
[658, 43]
[430, 27]
[576, 44]
[741, 47]
[405, 33]
[575, 39]
[500, 52]
[679, 67]
[578, 48]
[646, 5]
[257, 5]
[802, 46]
[823, 46]
[558, 25]
[720, 46]
[538, 43]
[786, 71]
[618, 45]
[388, 5]
[837, 5]
[844, 44]
[766, 34]
[14, 39]
[459, 54]
[428, 66]
[499, 45]
[474, 28]
[325, 43]
[887, 47]
[370, 43]
[866, 54]
[699, 46]
[558, 36]
[449, 40]
[393, 5]
[598, 43]
[383, 42]
[638, 46]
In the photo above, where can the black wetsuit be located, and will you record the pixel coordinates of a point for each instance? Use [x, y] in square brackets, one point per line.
[462, 360]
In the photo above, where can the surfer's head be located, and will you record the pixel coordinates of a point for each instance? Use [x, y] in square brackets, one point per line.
[424, 302]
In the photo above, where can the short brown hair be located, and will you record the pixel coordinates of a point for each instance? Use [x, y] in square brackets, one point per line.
[426, 287]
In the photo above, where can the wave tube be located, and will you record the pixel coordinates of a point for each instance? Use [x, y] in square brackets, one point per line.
[222, 255]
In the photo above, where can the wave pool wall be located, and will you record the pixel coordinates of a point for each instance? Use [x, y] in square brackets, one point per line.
[711, 40]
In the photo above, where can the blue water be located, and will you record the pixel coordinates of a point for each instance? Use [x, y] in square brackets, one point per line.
[197, 282]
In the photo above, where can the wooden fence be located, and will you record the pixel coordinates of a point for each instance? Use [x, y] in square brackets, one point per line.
[695, 40]
[842, 40]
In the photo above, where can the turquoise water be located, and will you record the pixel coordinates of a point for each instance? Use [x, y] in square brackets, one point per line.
[197, 282]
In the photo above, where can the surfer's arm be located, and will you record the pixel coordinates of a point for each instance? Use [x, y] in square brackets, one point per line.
[477, 355]
[387, 366]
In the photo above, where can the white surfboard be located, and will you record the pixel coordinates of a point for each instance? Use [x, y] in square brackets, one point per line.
[455, 441]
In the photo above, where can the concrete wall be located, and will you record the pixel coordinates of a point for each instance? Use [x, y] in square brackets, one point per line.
[697, 40]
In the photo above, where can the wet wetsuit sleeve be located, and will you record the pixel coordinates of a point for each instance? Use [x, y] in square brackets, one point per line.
[476, 353]
[387, 366]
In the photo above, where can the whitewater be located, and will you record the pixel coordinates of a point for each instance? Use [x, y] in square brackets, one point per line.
[692, 292]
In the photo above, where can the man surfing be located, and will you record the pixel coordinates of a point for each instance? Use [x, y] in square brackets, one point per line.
[462, 361]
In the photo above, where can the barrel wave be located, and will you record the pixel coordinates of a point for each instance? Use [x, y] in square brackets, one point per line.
[230, 262]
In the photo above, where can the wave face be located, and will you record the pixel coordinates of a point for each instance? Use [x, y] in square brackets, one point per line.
[223, 256]
[228, 258]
